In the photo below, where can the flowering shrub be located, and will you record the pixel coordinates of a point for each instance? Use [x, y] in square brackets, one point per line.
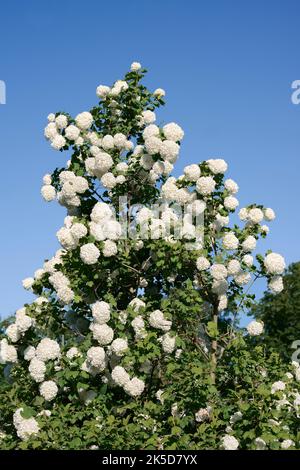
[131, 342]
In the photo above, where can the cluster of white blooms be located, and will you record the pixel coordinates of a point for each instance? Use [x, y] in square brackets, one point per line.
[255, 328]
[274, 263]
[61, 285]
[202, 263]
[25, 427]
[37, 369]
[70, 235]
[230, 241]
[157, 320]
[102, 333]
[96, 358]
[276, 284]
[8, 353]
[138, 325]
[136, 304]
[48, 390]
[204, 414]
[47, 349]
[168, 343]
[133, 387]
[101, 312]
[119, 346]
[229, 442]
[59, 130]
[22, 324]
[278, 386]
[48, 191]
[71, 187]
[89, 253]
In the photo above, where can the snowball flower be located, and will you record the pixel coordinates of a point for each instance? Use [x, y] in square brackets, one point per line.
[108, 180]
[255, 215]
[102, 91]
[203, 415]
[48, 390]
[58, 142]
[205, 185]
[255, 328]
[28, 283]
[168, 150]
[84, 120]
[249, 244]
[48, 192]
[8, 353]
[72, 132]
[231, 186]
[287, 443]
[278, 386]
[248, 260]
[202, 263]
[157, 320]
[148, 117]
[89, 253]
[120, 376]
[37, 369]
[159, 92]
[229, 442]
[73, 352]
[135, 66]
[134, 387]
[13, 333]
[168, 343]
[102, 333]
[26, 428]
[101, 312]
[218, 271]
[173, 132]
[96, 357]
[276, 284]
[230, 241]
[47, 349]
[231, 203]
[274, 263]
[243, 214]
[29, 353]
[119, 346]
[242, 278]
[269, 214]
[217, 165]
[109, 248]
[136, 304]
[192, 172]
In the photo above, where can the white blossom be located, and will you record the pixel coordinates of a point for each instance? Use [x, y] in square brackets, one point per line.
[229, 442]
[84, 120]
[89, 253]
[276, 284]
[274, 263]
[173, 132]
[157, 320]
[217, 165]
[102, 333]
[255, 328]
[48, 390]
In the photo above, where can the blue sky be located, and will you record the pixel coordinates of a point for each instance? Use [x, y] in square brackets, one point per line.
[227, 67]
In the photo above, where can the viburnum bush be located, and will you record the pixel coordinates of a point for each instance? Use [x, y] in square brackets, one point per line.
[132, 341]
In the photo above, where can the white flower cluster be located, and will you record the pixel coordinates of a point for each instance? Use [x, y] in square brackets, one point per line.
[60, 131]
[157, 320]
[61, 285]
[8, 353]
[255, 328]
[134, 387]
[71, 187]
[25, 427]
[16, 330]
[48, 390]
[229, 442]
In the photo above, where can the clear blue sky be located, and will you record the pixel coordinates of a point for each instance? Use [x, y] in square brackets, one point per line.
[227, 67]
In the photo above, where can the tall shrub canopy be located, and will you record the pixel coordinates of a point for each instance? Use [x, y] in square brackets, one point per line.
[131, 341]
